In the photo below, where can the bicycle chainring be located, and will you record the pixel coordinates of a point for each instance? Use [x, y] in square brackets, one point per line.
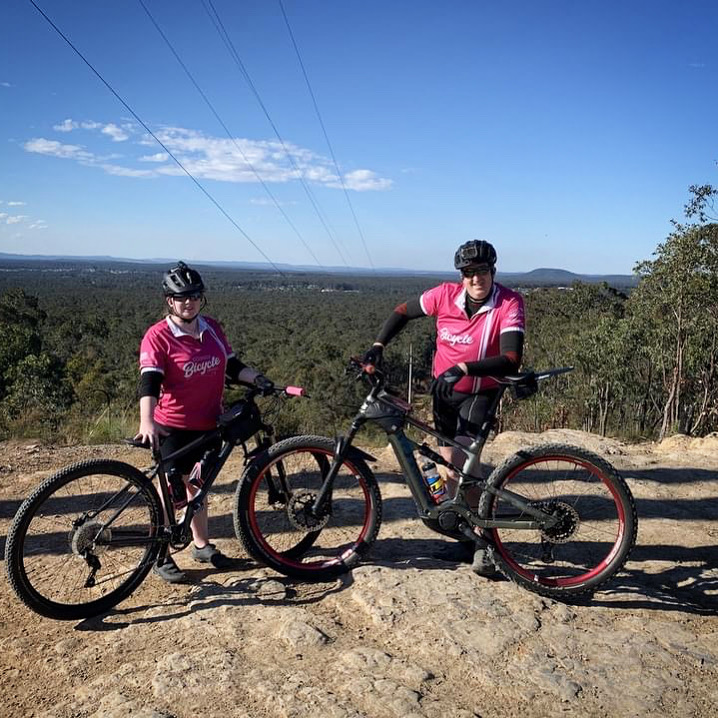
[568, 521]
[300, 514]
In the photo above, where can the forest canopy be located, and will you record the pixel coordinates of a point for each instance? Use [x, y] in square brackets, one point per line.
[645, 360]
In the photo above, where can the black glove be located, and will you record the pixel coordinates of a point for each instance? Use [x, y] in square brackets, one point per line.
[443, 386]
[374, 355]
[265, 386]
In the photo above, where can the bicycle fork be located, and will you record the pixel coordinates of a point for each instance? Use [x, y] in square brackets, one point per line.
[342, 446]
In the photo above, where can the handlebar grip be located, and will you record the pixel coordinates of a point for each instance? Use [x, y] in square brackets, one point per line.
[294, 391]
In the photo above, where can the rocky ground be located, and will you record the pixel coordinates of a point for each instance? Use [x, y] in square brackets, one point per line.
[406, 634]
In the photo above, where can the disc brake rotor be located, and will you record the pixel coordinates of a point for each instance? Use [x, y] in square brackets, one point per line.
[300, 514]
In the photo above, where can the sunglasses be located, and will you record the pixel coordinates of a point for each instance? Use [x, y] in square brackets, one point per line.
[192, 297]
[469, 272]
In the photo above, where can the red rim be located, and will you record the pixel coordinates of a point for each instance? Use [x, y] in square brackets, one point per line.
[583, 577]
[280, 558]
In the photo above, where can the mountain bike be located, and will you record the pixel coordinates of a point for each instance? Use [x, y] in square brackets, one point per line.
[556, 519]
[87, 536]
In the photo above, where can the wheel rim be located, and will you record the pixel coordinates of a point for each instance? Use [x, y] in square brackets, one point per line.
[591, 529]
[328, 541]
[69, 558]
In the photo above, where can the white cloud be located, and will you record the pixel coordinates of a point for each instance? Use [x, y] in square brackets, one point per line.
[363, 180]
[118, 171]
[66, 126]
[40, 224]
[207, 157]
[54, 148]
[116, 133]
[14, 219]
[3, 215]
[159, 157]
[16, 204]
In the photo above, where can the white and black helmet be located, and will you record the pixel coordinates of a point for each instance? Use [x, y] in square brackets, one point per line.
[181, 280]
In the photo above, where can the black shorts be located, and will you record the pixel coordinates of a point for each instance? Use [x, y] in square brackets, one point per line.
[461, 414]
[178, 438]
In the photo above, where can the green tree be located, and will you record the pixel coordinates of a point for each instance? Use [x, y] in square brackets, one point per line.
[38, 394]
[677, 302]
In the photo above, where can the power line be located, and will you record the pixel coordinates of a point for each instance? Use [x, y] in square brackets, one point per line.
[224, 35]
[324, 130]
[154, 136]
[229, 134]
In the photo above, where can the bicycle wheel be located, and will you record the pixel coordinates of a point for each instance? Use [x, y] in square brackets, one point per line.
[597, 520]
[284, 534]
[84, 539]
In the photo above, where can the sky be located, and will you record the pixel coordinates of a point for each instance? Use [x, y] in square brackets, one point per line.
[566, 133]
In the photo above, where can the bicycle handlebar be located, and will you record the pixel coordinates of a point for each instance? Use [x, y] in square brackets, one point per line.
[277, 389]
[376, 376]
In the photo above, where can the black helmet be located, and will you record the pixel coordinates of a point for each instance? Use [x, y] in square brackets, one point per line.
[182, 280]
[475, 251]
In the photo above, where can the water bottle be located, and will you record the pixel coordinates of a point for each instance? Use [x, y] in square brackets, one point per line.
[437, 487]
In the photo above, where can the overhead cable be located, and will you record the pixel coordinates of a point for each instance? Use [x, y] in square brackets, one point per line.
[324, 130]
[229, 134]
[224, 35]
[157, 139]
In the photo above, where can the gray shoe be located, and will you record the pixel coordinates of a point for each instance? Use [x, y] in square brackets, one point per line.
[169, 571]
[482, 565]
[211, 554]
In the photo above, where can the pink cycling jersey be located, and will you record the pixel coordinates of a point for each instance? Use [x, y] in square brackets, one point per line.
[463, 339]
[193, 372]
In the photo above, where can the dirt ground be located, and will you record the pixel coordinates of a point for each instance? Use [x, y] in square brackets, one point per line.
[405, 634]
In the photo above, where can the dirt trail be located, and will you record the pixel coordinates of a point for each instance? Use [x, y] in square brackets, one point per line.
[406, 634]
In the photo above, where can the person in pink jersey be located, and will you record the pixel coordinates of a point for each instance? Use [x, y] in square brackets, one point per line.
[479, 335]
[184, 360]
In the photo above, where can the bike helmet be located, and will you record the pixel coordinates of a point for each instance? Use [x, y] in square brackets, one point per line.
[475, 251]
[182, 280]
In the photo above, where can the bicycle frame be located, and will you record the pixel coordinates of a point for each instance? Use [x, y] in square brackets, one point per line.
[392, 414]
[178, 532]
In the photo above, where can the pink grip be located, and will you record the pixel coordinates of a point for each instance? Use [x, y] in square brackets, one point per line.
[294, 391]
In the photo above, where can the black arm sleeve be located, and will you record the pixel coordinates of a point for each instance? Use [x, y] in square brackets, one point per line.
[399, 318]
[511, 347]
[234, 366]
[150, 383]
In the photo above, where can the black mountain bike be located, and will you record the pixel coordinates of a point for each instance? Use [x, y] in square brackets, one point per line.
[85, 539]
[558, 520]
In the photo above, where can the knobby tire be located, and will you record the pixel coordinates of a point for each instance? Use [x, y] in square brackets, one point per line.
[597, 527]
[64, 561]
[283, 534]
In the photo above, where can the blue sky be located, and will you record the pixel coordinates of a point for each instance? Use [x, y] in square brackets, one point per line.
[566, 133]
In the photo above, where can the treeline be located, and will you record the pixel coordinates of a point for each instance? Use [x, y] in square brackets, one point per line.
[645, 362]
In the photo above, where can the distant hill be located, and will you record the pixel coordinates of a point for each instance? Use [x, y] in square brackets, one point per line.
[564, 278]
[536, 277]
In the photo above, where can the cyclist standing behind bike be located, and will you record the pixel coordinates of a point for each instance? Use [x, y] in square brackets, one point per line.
[479, 335]
[184, 360]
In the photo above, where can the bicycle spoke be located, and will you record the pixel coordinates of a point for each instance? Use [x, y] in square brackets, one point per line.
[592, 513]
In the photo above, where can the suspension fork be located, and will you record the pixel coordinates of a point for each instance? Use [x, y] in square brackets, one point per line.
[342, 446]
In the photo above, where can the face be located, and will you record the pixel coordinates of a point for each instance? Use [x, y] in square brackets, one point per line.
[477, 280]
[186, 306]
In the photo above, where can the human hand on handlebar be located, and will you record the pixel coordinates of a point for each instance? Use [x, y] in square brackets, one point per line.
[264, 385]
[150, 433]
[443, 386]
[374, 355]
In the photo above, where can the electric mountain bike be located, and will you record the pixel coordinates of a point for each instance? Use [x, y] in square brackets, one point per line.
[556, 519]
[87, 536]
